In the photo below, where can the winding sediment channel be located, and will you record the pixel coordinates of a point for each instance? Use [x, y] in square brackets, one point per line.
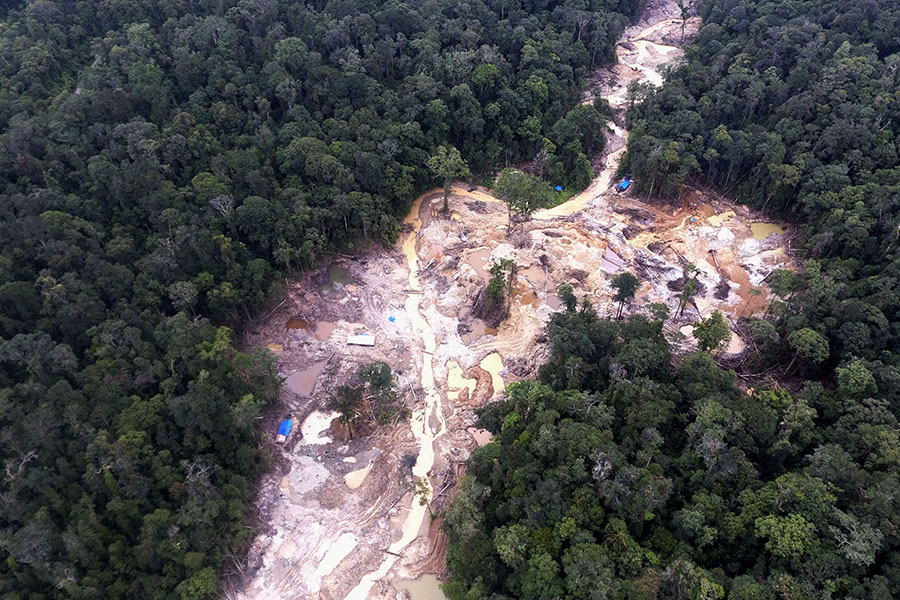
[420, 422]
[342, 531]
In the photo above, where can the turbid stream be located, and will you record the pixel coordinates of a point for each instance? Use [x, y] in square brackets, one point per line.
[642, 63]
[341, 509]
[493, 363]
[421, 418]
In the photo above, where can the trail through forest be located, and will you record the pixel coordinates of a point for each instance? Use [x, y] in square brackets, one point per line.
[342, 519]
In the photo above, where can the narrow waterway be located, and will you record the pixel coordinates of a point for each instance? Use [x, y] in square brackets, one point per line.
[424, 335]
[642, 62]
[420, 420]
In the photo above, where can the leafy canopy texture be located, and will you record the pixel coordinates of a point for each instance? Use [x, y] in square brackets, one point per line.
[617, 476]
[163, 164]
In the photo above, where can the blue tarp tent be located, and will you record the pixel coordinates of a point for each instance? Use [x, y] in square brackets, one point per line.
[284, 430]
[623, 185]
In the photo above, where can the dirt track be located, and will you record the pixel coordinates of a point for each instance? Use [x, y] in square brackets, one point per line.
[342, 520]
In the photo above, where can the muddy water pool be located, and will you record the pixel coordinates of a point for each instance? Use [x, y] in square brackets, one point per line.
[321, 329]
[425, 587]
[763, 230]
[338, 278]
[303, 382]
[480, 261]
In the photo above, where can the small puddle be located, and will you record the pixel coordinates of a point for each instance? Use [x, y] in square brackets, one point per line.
[535, 276]
[480, 261]
[321, 329]
[315, 425]
[338, 278]
[426, 587]
[436, 253]
[721, 218]
[297, 323]
[479, 328]
[493, 364]
[303, 382]
[763, 230]
[553, 301]
[354, 479]
[525, 297]
[482, 436]
[456, 382]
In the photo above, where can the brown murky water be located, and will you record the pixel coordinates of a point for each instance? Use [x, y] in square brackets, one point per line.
[524, 297]
[479, 328]
[425, 587]
[297, 323]
[303, 382]
[721, 218]
[763, 230]
[482, 436]
[481, 262]
[535, 276]
[553, 301]
[321, 329]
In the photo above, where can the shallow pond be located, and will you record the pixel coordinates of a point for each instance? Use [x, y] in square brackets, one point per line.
[338, 278]
[426, 587]
[303, 382]
[763, 230]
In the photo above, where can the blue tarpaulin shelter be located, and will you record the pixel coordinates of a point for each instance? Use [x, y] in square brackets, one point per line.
[623, 185]
[558, 188]
[284, 429]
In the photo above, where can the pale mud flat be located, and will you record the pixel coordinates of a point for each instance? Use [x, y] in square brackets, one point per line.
[341, 519]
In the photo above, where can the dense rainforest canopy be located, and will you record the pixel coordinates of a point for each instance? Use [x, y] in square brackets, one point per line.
[162, 163]
[617, 475]
[794, 107]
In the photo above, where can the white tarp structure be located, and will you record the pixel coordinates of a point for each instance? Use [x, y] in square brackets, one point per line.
[364, 339]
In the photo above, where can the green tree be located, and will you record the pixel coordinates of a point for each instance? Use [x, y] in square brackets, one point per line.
[625, 284]
[522, 193]
[712, 332]
[659, 310]
[447, 164]
[808, 345]
[566, 293]
[347, 401]
[787, 537]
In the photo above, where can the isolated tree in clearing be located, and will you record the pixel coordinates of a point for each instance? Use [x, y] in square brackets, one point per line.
[626, 285]
[448, 164]
[522, 193]
[712, 332]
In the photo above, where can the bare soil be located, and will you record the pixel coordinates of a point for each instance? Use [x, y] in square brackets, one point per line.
[331, 536]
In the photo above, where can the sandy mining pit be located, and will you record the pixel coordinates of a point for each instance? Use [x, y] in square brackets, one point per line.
[340, 503]
[339, 518]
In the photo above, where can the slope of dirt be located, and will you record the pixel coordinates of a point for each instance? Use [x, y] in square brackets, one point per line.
[331, 536]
